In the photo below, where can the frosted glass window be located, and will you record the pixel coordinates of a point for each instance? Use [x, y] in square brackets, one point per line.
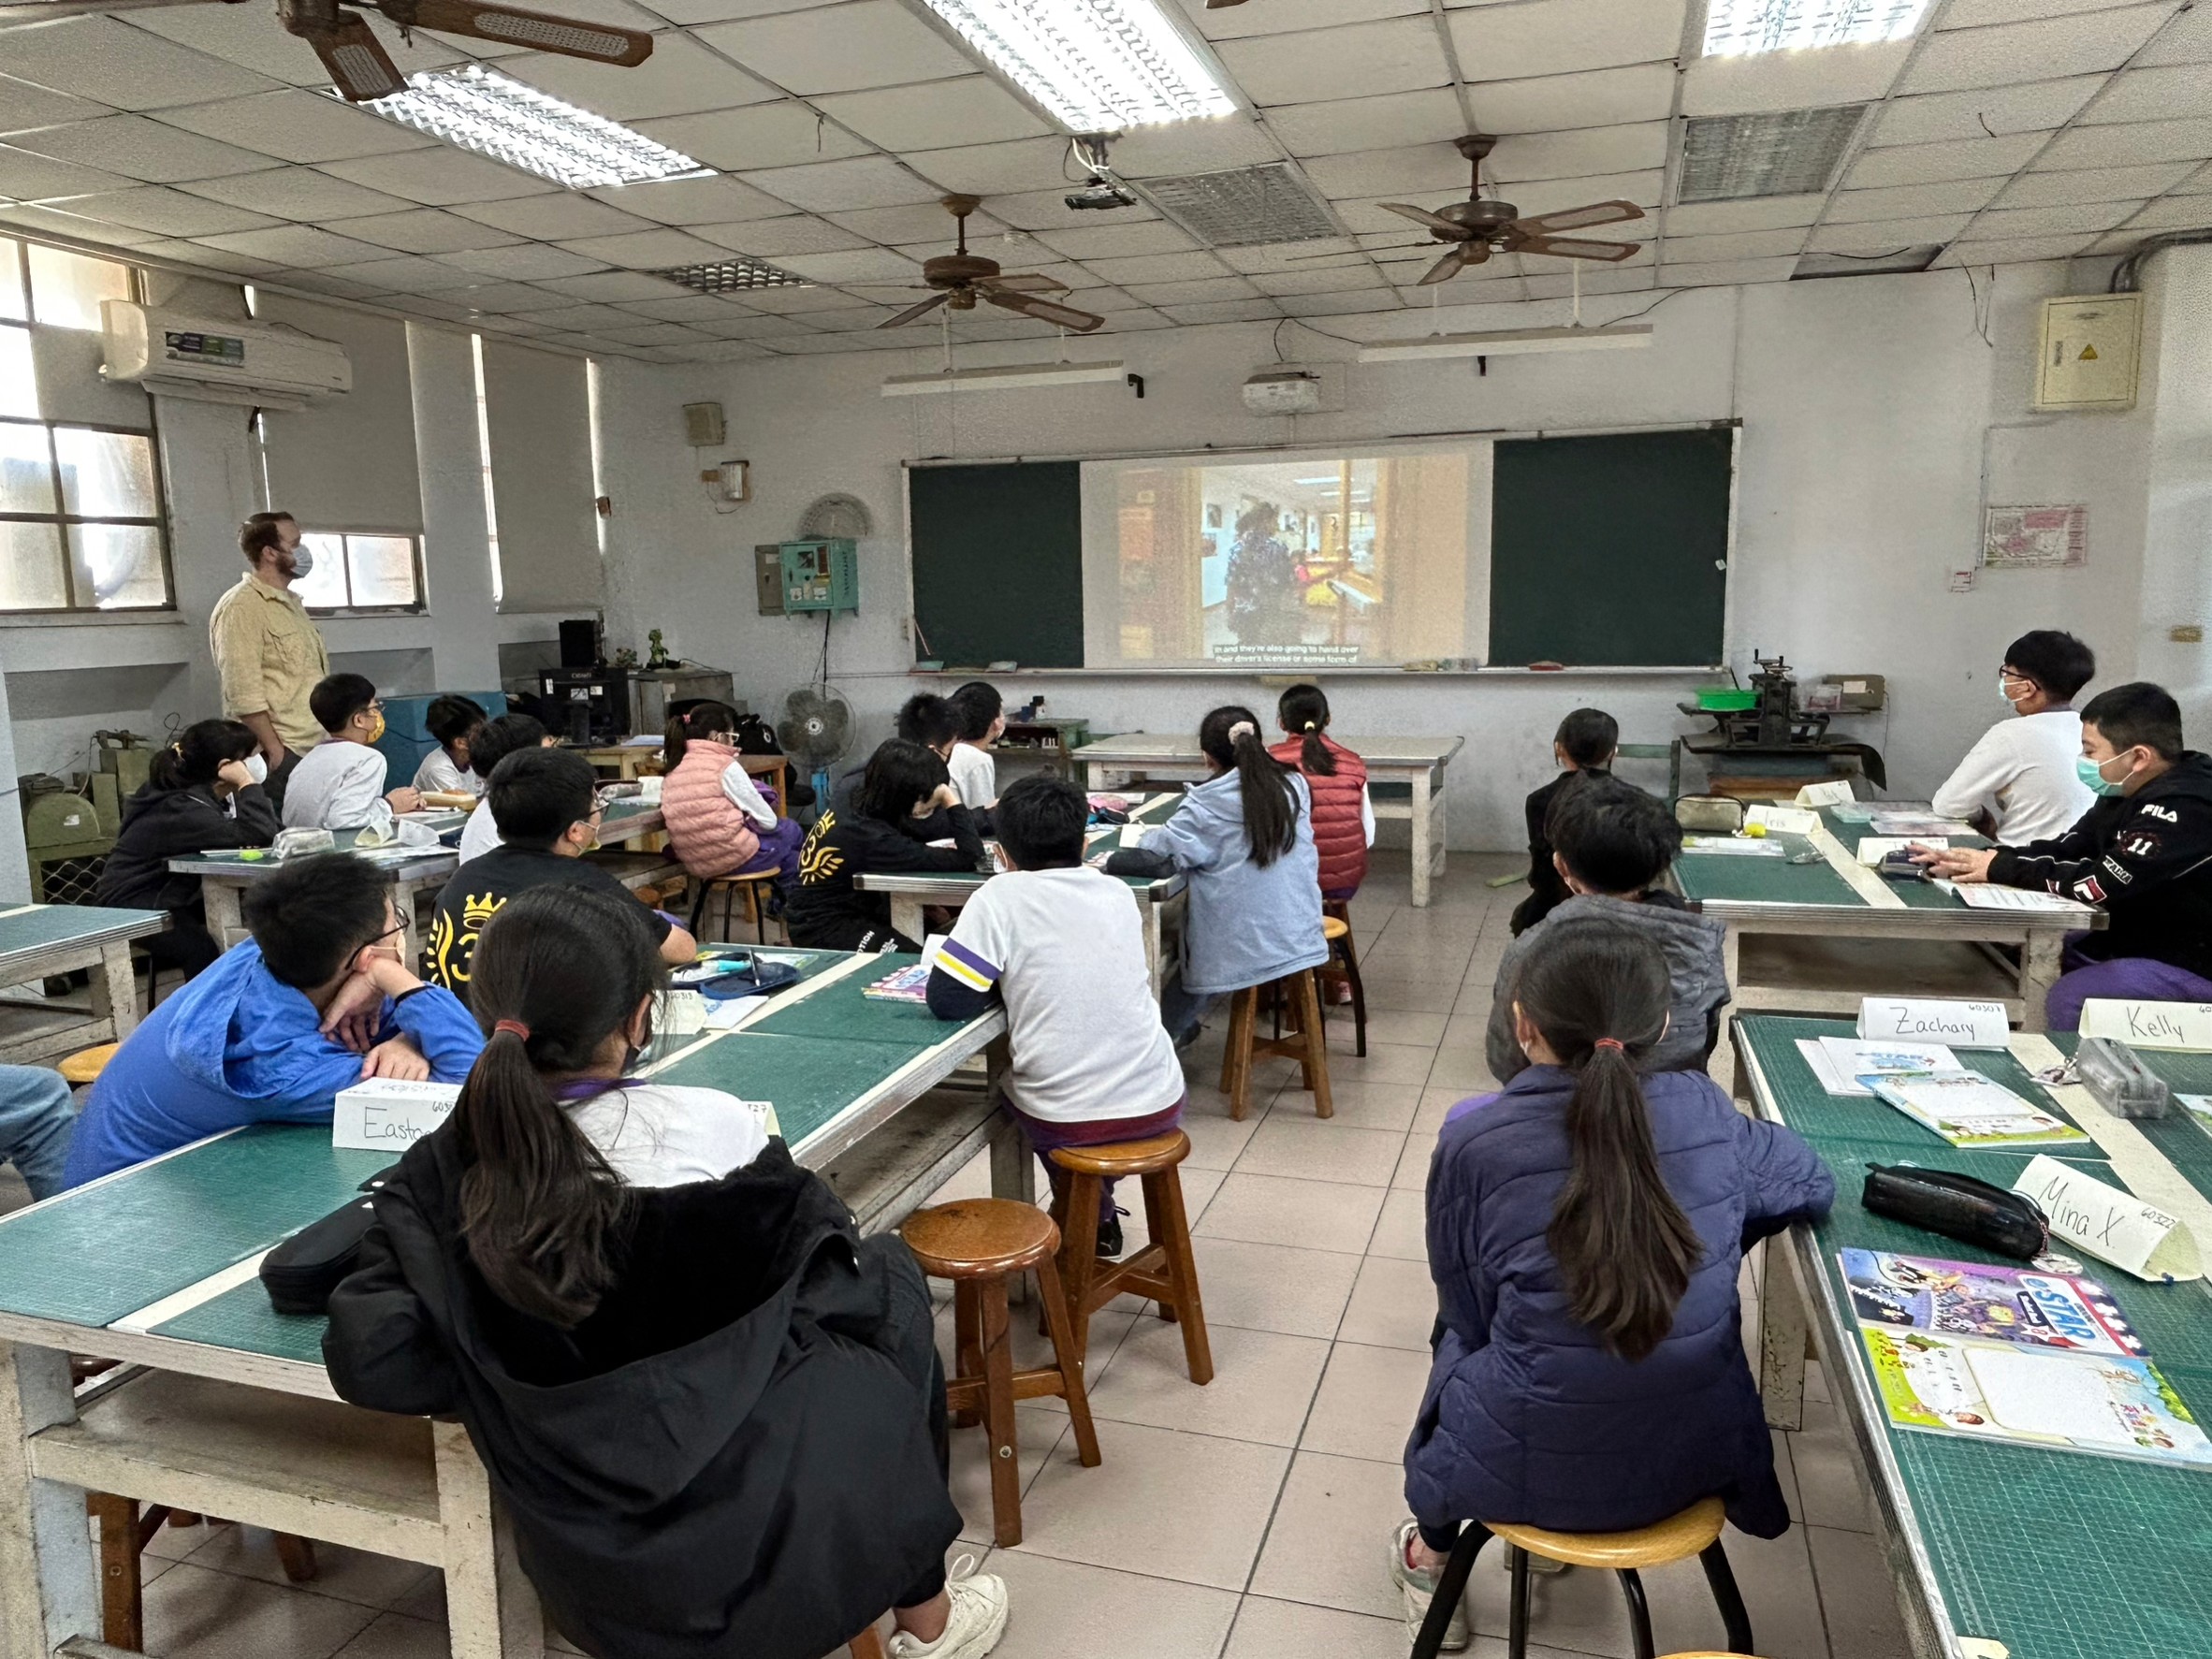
[11, 281]
[66, 288]
[382, 569]
[105, 475]
[34, 575]
[26, 470]
[124, 564]
[324, 585]
[19, 377]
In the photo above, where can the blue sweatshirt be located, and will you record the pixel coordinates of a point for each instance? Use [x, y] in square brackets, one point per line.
[1248, 924]
[237, 1046]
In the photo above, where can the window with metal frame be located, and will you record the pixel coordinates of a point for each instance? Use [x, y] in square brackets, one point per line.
[356, 573]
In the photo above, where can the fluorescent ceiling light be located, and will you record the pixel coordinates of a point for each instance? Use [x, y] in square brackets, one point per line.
[733, 276]
[1736, 27]
[1012, 376]
[1506, 343]
[481, 109]
[1097, 65]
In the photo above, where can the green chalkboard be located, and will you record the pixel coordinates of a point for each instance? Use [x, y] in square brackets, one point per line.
[998, 556]
[1611, 549]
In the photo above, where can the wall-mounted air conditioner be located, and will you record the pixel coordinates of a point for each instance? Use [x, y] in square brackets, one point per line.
[220, 362]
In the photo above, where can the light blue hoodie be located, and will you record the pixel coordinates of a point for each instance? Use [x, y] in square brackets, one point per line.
[1247, 925]
[237, 1046]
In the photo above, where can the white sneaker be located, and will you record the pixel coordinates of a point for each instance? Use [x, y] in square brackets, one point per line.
[978, 1619]
[1420, 1588]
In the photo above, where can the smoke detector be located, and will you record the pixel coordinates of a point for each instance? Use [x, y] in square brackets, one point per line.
[1283, 391]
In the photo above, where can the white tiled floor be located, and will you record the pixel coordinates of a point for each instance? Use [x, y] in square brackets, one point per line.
[1244, 1519]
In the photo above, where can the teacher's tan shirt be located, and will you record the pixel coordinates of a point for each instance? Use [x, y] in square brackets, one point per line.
[271, 656]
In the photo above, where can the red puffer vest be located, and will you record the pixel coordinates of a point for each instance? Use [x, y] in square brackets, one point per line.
[710, 836]
[1339, 837]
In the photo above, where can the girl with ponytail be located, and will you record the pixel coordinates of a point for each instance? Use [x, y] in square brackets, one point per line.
[714, 1411]
[1586, 1230]
[1344, 815]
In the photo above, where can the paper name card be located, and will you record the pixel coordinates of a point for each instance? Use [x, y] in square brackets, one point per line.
[1913, 1019]
[1832, 794]
[389, 1115]
[1783, 820]
[2111, 1225]
[2149, 1024]
[1132, 834]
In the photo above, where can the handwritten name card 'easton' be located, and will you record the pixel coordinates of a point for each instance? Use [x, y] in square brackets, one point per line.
[2149, 1024]
[387, 1114]
[1962, 1024]
[2111, 1225]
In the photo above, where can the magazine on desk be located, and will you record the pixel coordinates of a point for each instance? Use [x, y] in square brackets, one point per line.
[1969, 1109]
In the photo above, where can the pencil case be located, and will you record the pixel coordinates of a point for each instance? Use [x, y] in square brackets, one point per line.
[300, 1274]
[1959, 1207]
[2118, 1081]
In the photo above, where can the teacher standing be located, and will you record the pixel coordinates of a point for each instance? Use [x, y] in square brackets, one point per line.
[268, 653]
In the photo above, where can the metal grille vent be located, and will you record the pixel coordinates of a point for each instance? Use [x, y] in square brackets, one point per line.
[1791, 152]
[732, 276]
[1241, 207]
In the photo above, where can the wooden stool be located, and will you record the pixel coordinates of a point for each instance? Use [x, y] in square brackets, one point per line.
[125, 1532]
[1163, 1269]
[752, 886]
[980, 1243]
[1697, 1531]
[86, 1064]
[1305, 1042]
[1344, 963]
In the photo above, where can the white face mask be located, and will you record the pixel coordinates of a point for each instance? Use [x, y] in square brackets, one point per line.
[257, 768]
[304, 560]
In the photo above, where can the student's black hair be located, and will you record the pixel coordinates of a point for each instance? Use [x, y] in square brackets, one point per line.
[1271, 800]
[311, 915]
[338, 698]
[929, 719]
[1040, 820]
[1597, 993]
[536, 793]
[451, 718]
[541, 1208]
[1588, 737]
[1616, 837]
[717, 722]
[899, 776]
[260, 534]
[1303, 712]
[502, 737]
[2058, 662]
[2138, 712]
[200, 750]
[976, 705]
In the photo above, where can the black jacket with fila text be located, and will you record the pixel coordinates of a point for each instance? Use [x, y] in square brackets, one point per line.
[2146, 859]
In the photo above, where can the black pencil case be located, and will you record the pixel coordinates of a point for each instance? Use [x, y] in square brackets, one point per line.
[1959, 1207]
[300, 1274]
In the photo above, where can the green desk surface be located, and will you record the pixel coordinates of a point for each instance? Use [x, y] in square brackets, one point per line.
[1750, 879]
[842, 1008]
[809, 1079]
[2185, 1143]
[241, 1318]
[46, 927]
[2059, 1555]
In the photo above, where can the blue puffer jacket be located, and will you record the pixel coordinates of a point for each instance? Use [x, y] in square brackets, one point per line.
[1527, 1418]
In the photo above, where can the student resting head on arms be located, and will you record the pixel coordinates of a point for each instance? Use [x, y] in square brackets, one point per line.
[2143, 853]
[316, 1000]
[1343, 816]
[1585, 1234]
[1585, 743]
[203, 790]
[453, 721]
[1063, 946]
[1611, 843]
[982, 713]
[545, 802]
[2017, 785]
[507, 735]
[714, 1411]
[719, 822]
[904, 797]
[338, 784]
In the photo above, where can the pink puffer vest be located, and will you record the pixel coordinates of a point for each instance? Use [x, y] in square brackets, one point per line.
[710, 837]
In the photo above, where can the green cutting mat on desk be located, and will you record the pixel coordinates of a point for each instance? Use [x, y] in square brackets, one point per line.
[241, 1318]
[843, 1010]
[2058, 1554]
[1763, 878]
[2186, 1143]
[46, 925]
[809, 1079]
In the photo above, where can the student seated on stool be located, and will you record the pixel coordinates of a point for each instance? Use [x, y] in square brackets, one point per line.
[338, 784]
[719, 822]
[36, 1119]
[454, 720]
[1585, 1233]
[507, 735]
[2018, 783]
[2143, 853]
[1064, 946]
[1583, 747]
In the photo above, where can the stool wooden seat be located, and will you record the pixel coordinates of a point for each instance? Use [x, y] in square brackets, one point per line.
[979, 1244]
[86, 1064]
[1696, 1531]
[1344, 964]
[1304, 1042]
[1164, 1269]
[752, 886]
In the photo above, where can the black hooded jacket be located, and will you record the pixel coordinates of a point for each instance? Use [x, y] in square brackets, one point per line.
[733, 1456]
[159, 825]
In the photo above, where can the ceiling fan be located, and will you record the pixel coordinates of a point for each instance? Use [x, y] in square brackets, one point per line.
[359, 65]
[961, 278]
[1477, 228]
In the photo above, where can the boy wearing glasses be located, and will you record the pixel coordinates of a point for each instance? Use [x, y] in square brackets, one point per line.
[316, 1000]
[545, 803]
[338, 784]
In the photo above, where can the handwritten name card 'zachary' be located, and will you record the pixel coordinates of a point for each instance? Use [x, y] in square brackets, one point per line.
[2111, 1225]
[2149, 1024]
[387, 1115]
[1962, 1024]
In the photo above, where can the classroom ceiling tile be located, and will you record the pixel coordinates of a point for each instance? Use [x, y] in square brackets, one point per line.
[611, 285]
[795, 299]
[1193, 291]
[1048, 210]
[1754, 83]
[295, 126]
[23, 107]
[1929, 164]
[1255, 310]
[2197, 181]
[656, 334]
[855, 265]
[1593, 97]
[647, 250]
[1910, 201]
[1741, 244]
[1585, 150]
[1343, 277]
[26, 177]
[692, 201]
[772, 239]
[410, 274]
[2188, 40]
[864, 181]
[1935, 118]
[557, 216]
[682, 77]
[2013, 252]
[125, 68]
[1726, 272]
[1156, 268]
[586, 316]
[439, 176]
[1558, 36]
[923, 221]
[138, 148]
[303, 246]
[525, 262]
[1398, 55]
[1285, 16]
[719, 11]
[1996, 224]
[831, 48]
[2043, 48]
[1536, 196]
[2079, 184]
[754, 327]
[2172, 212]
[1882, 235]
[782, 134]
[1274, 256]
[2173, 92]
[1392, 121]
[2126, 146]
[1754, 212]
[250, 37]
[695, 309]
[1213, 146]
[424, 230]
[167, 212]
[33, 217]
[989, 169]
[935, 115]
[1353, 303]
[1972, 14]
[513, 298]
[1111, 238]
[1426, 171]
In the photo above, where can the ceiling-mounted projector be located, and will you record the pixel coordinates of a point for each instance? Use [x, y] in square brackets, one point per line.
[1283, 391]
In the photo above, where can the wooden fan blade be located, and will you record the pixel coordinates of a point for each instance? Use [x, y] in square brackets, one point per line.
[912, 312]
[1569, 247]
[1445, 269]
[600, 42]
[1044, 310]
[1597, 212]
[1442, 226]
[1026, 282]
[359, 66]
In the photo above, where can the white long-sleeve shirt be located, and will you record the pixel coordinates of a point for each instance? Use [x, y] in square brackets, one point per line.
[480, 835]
[739, 790]
[438, 772]
[2022, 770]
[337, 786]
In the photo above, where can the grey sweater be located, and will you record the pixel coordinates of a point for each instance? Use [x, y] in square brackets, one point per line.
[1697, 970]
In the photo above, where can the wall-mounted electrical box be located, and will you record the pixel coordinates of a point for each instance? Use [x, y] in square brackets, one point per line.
[822, 575]
[2090, 350]
[767, 576]
[702, 424]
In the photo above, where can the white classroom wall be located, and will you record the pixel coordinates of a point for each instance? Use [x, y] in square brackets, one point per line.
[1866, 406]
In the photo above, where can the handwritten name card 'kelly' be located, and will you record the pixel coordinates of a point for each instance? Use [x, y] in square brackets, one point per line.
[387, 1114]
[2111, 1225]
[1910, 1019]
[2149, 1024]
